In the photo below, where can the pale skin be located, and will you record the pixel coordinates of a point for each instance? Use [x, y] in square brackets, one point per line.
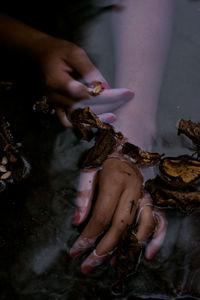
[57, 59]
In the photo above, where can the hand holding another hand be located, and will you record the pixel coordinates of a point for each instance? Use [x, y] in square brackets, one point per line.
[119, 199]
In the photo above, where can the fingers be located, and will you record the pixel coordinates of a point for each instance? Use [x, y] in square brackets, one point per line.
[159, 235]
[108, 100]
[83, 65]
[102, 213]
[85, 193]
[150, 220]
[123, 216]
[145, 221]
[59, 100]
[61, 114]
[107, 117]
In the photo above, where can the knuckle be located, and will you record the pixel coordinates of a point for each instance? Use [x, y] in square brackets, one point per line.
[77, 51]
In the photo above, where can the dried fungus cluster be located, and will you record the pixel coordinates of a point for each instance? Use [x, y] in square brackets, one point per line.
[177, 185]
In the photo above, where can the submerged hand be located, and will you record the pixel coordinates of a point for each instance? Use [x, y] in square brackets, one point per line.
[120, 188]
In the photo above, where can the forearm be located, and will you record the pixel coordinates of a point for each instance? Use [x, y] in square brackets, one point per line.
[20, 37]
[142, 31]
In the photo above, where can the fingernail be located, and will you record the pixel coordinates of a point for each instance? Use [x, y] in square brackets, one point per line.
[105, 85]
[86, 269]
[77, 217]
[150, 255]
[107, 117]
[128, 95]
[110, 118]
[74, 254]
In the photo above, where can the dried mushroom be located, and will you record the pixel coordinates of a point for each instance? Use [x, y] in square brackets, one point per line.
[139, 156]
[164, 196]
[104, 145]
[182, 168]
[191, 130]
[84, 119]
[96, 88]
[127, 259]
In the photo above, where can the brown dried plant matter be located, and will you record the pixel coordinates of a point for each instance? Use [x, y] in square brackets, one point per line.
[104, 145]
[182, 168]
[127, 259]
[191, 130]
[141, 157]
[84, 119]
[97, 88]
[177, 185]
[166, 195]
